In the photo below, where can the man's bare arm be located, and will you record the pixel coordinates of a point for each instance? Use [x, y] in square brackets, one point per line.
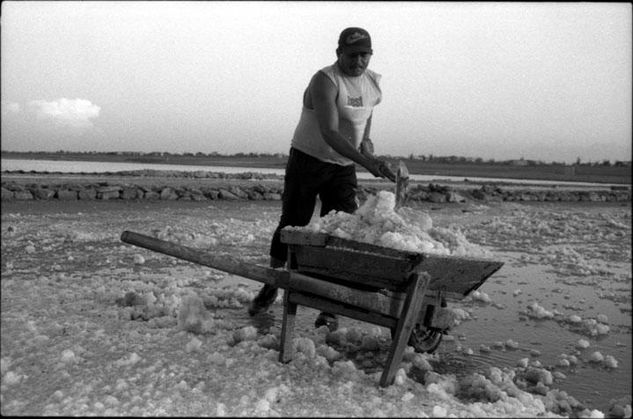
[366, 146]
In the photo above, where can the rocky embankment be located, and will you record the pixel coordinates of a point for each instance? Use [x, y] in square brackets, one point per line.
[260, 187]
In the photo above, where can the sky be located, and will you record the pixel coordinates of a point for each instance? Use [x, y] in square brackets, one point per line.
[495, 80]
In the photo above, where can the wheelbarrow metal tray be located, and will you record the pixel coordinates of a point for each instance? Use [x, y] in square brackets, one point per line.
[367, 265]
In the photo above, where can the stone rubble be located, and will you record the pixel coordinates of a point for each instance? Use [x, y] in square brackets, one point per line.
[432, 192]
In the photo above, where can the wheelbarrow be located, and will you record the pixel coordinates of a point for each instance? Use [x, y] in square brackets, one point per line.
[406, 292]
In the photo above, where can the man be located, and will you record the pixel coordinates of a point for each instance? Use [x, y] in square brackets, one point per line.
[332, 135]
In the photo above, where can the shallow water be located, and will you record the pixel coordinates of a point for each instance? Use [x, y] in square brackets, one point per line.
[62, 166]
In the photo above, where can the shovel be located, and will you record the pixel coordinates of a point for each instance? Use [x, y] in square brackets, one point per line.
[402, 183]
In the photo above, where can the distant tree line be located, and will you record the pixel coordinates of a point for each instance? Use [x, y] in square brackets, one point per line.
[429, 158]
[515, 162]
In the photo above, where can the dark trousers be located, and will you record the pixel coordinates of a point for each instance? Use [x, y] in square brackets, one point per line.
[306, 178]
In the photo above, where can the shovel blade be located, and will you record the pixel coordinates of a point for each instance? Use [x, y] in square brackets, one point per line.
[402, 183]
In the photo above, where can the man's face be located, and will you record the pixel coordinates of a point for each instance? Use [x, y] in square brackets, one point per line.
[354, 63]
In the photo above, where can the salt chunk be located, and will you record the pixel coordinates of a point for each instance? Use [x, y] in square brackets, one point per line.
[563, 363]
[602, 329]
[590, 414]
[329, 353]
[139, 259]
[420, 362]
[511, 344]
[150, 298]
[305, 346]
[321, 363]
[458, 315]
[602, 318]
[575, 318]
[408, 354]
[596, 357]
[482, 296]
[245, 333]
[30, 249]
[220, 410]
[216, 358]
[341, 233]
[269, 341]
[354, 335]
[262, 406]
[193, 345]
[272, 395]
[484, 348]
[68, 356]
[30, 326]
[344, 367]
[182, 385]
[559, 375]
[11, 378]
[539, 375]
[132, 359]
[369, 343]
[401, 377]
[582, 344]
[610, 361]
[539, 312]
[439, 412]
[523, 362]
[121, 384]
[407, 396]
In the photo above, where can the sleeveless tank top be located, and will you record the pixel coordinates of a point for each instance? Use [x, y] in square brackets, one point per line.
[355, 101]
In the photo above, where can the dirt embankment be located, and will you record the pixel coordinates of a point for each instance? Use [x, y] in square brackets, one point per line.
[203, 186]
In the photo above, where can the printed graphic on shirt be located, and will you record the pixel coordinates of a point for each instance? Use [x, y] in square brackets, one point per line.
[355, 101]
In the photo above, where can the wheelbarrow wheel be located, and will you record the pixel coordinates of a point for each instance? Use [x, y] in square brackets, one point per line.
[423, 339]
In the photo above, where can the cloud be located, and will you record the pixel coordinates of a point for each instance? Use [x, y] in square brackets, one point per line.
[71, 113]
[65, 124]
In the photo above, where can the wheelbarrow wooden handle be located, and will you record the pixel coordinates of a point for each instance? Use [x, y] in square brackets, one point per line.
[226, 263]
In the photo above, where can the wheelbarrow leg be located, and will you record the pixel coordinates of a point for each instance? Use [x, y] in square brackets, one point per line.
[408, 318]
[290, 312]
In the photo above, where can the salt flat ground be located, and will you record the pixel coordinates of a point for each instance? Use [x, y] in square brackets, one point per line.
[93, 326]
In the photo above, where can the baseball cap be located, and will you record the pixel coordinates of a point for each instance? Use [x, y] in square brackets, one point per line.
[355, 40]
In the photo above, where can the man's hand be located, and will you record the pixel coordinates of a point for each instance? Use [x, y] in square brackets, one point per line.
[380, 168]
[387, 172]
